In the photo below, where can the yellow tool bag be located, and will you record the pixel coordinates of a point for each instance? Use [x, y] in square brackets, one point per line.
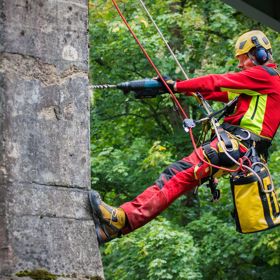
[256, 206]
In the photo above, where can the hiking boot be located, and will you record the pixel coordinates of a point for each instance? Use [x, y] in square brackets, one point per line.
[108, 220]
[104, 233]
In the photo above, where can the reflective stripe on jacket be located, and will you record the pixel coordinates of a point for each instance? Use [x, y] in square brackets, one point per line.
[258, 106]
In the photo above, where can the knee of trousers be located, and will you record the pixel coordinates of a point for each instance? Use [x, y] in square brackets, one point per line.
[172, 171]
[178, 178]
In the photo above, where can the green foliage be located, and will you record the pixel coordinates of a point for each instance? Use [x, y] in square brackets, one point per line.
[268, 247]
[207, 248]
[156, 251]
[132, 141]
[225, 254]
[129, 175]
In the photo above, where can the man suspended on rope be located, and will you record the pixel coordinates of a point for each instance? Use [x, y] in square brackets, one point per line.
[254, 121]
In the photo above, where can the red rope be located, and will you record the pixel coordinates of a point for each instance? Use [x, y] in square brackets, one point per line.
[174, 98]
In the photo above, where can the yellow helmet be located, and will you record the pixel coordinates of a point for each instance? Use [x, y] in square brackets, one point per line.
[245, 43]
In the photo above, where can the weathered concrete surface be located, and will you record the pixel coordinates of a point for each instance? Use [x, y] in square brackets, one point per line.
[45, 222]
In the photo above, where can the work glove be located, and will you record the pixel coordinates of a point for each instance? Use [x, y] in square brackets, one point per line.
[168, 81]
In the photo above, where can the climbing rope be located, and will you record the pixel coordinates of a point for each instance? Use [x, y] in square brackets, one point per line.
[214, 122]
[174, 98]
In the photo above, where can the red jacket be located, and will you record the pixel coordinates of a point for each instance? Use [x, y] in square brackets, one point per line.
[258, 106]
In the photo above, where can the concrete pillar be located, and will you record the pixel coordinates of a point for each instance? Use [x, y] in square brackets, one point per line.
[46, 230]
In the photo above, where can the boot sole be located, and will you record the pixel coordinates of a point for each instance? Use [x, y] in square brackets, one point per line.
[95, 200]
[95, 218]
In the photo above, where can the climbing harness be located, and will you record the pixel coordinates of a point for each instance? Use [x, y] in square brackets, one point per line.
[188, 125]
[250, 173]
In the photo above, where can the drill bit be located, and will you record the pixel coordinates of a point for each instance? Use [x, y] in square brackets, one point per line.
[102, 86]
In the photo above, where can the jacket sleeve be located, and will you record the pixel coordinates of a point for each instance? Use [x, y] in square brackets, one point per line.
[220, 96]
[252, 82]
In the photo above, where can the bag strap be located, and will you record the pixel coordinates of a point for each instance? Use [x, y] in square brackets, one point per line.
[271, 71]
[225, 138]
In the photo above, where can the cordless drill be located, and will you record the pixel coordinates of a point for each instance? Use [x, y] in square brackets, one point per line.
[146, 88]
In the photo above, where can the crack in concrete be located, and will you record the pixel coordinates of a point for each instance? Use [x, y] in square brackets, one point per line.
[56, 185]
[32, 68]
[54, 216]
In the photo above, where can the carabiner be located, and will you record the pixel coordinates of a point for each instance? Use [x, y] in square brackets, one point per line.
[244, 138]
